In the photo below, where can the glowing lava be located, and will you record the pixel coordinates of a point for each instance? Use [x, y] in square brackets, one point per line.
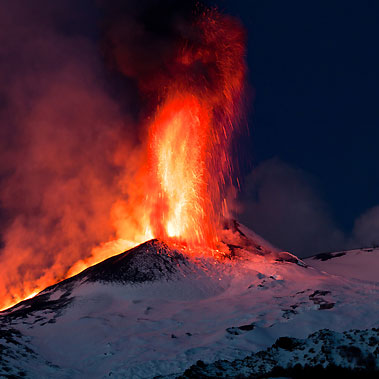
[179, 139]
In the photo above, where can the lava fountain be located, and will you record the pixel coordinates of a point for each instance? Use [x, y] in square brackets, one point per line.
[183, 175]
[187, 174]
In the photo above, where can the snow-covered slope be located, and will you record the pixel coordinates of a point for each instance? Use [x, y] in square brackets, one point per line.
[154, 311]
[359, 263]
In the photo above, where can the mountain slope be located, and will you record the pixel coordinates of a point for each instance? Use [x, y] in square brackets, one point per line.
[358, 264]
[154, 310]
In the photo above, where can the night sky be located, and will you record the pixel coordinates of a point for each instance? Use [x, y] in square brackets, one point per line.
[314, 70]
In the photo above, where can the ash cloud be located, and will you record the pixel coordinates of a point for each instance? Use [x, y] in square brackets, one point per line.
[58, 126]
[142, 37]
[145, 40]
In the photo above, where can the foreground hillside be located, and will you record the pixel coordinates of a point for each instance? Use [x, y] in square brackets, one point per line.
[154, 311]
[325, 353]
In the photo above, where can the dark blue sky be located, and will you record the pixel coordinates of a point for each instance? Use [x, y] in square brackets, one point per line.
[314, 67]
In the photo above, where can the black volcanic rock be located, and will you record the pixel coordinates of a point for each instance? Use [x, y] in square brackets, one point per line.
[151, 261]
[326, 256]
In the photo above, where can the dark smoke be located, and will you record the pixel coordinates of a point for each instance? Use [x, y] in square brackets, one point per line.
[142, 42]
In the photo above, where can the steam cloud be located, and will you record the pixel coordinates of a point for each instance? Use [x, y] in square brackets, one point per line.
[282, 204]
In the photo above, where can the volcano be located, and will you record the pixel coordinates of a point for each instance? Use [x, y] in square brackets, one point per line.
[155, 310]
[126, 134]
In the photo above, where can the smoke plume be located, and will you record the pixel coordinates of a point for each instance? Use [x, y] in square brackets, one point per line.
[79, 82]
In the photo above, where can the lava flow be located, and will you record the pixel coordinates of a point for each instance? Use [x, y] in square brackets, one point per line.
[184, 174]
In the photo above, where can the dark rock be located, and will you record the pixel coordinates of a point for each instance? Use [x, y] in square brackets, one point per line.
[247, 327]
[327, 256]
[326, 306]
[286, 343]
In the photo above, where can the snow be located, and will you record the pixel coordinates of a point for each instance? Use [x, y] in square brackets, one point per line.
[203, 310]
[360, 264]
